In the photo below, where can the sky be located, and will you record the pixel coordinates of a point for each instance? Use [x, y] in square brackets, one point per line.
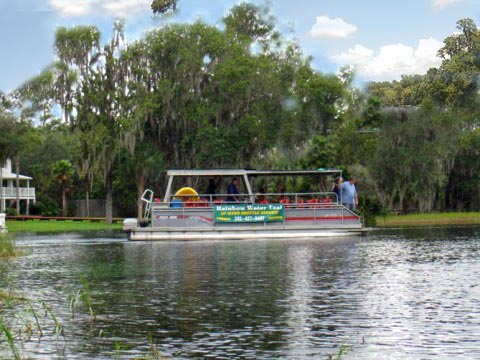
[382, 39]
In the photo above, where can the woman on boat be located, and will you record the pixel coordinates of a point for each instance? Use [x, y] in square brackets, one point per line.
[337, 188]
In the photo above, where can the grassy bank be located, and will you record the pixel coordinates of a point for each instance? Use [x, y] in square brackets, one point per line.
[58, 226]
[429, 219]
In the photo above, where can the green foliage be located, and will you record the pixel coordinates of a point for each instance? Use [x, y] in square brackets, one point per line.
[42, 226]
[63, 171]
[38, 96]
[249, 22]
[369, 208]
[193, 95]
[75, 45]
[162, 6]
[46, 207]
[320, 154]
[11, 212]
[415, 151]
[7, 246]
[10, 340]
[463, 189]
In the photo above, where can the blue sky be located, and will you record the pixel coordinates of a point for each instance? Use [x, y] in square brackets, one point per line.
[381, 38]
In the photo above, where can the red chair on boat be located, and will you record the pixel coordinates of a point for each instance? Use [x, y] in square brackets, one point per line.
[327, 202]
[190, 204]
[202, 203]
[313, 202]
[301, 203]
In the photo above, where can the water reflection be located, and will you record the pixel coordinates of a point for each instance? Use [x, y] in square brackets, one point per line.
[398, 293]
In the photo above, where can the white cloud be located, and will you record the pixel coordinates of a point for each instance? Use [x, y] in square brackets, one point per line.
[122, 8]
[331, 27]
[391, 61]
[439, 4]
[73, 8]
[115, 8]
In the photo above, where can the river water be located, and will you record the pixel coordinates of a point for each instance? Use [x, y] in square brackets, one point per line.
[410, 294]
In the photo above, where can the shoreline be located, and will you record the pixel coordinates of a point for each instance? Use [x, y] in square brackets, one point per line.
[58, 226]
[428, 219]
[389, 221]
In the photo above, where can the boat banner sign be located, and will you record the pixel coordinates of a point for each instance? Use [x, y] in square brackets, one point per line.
[247, 213]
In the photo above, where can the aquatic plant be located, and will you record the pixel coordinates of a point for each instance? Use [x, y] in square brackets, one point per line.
[31, 311]
[342, 351]
[7, 247]
[58, 327]
[154, 352]
[10, 341]
[119, 347]
[83, 296]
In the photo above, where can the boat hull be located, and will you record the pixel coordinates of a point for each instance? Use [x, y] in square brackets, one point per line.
[198, 224]
[152, 234]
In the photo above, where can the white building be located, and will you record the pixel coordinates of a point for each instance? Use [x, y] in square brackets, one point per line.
[8, 190]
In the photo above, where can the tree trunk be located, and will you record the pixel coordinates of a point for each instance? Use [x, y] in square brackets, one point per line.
[140, 190]
[109, 200]
[64, 201]
[401, 196]
[17, 169]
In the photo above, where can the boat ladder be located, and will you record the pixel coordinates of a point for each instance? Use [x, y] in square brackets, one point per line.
[147, 198]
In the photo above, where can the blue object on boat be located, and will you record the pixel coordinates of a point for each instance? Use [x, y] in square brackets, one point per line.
[176, 203]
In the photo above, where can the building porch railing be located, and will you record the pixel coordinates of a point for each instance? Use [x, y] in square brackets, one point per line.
[11, 193]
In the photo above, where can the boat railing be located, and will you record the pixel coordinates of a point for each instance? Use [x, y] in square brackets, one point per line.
[297, 200]
[319, 206]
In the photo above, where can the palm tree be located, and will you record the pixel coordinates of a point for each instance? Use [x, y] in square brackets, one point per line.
[63, 171]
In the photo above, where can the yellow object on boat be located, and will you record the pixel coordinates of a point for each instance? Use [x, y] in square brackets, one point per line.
[186, 194]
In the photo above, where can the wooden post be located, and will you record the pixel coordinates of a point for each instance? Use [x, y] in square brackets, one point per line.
[28, 198]
[88, 203]
[17, 182]
[2, 196]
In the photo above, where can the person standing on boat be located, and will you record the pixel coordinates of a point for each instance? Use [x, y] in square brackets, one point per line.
[233, 190]
[337, 188]
[211, 189]
[349, 194]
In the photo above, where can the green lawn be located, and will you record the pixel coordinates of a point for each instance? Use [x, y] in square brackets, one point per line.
[429, 219]
[60, 226]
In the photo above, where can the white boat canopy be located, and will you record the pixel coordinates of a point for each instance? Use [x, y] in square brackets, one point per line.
[243, 172]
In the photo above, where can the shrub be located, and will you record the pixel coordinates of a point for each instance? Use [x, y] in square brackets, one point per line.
[370, 208]
[45, 208]
[11, 212]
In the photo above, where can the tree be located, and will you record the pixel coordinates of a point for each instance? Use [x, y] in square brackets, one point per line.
[163, 6]
[457, 76]
[415, 154]
[37, 95]
[99, 107]
[77, 48]
[63, 171]
[7, 126]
